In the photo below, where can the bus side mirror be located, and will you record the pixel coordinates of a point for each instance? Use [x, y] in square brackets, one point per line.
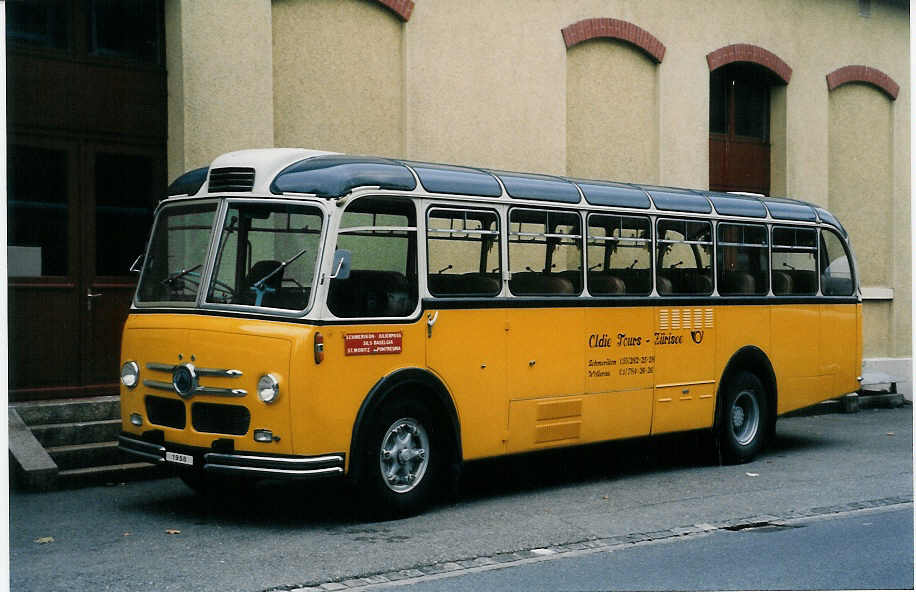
[341, 265]
[137, 264]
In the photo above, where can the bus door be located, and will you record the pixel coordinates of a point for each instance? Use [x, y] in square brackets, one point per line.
[795, 325]
[684, 335]
[545, 378]
[465, 328]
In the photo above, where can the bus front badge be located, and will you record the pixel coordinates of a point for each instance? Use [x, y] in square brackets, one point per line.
[184, 380]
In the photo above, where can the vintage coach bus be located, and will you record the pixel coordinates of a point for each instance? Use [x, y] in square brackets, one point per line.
[305, 314]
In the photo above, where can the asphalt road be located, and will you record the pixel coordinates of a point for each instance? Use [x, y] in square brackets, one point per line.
[284, 536]
[864, 549]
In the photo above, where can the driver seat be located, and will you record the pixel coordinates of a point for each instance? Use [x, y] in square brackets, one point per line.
[271, 286]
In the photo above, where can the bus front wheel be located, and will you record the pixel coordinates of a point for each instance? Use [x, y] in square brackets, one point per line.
[403, 458]
[743, 420]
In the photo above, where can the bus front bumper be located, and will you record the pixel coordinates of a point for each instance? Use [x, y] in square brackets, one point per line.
[229, 462]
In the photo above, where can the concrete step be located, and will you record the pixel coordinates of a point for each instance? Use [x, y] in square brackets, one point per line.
[92, 454]
[80, 432]
[110, 474]
[69, 410]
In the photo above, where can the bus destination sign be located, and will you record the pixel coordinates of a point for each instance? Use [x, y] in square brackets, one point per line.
[363, 344]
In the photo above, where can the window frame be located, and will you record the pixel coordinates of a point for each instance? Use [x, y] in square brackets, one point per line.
[547, 235]
[765, 246]
[499, 243]
[650, 242]
[815, 249]
[694, 244]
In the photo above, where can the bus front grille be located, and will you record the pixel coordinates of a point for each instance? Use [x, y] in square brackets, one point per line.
[166, 412]
[213, 418]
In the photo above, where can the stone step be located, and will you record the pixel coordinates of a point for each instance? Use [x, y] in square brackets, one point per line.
[110, 474]
[81, 432]
[69, 410]
[92, 454]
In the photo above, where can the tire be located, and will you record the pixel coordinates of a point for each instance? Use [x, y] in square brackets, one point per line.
[744, 418]
[403, 458]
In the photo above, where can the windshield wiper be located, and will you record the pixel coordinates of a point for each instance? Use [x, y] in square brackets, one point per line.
[260, 283]
[180, 274]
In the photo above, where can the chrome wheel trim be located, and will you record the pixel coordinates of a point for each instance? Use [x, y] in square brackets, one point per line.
[404, 455]
[744, 417]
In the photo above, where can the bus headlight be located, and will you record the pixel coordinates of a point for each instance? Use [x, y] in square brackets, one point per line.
[268, 388]
[130, 374]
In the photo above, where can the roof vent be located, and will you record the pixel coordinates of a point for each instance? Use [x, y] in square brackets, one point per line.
[231, 179]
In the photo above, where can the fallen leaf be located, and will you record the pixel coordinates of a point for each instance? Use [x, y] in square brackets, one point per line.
[126, 534]
[44, 540]
[604, 497]
[891, 434]
[172, 531]
[752, 474]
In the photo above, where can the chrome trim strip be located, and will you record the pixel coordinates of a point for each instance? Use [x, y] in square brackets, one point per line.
[162, 367]
[274, 459]
[219, 392]
[146, 450]
[218, 372]
[287, 472]
[227, 372]
[200, 390]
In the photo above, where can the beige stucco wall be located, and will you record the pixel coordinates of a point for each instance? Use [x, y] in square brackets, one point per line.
[338, 76]
[493, 84]
[611, 113]
[219, 79]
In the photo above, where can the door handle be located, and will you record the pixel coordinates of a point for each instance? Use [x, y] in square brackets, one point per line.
[90, 295]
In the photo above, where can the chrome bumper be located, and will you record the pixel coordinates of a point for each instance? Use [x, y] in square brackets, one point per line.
[237, 463]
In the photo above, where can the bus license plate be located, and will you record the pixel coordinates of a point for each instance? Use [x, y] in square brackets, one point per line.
[182, 459]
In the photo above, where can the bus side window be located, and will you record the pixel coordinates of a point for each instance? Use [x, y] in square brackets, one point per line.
[742, 259]
[794, 257]
[463, 253]
[684, 257]
[836, 270]
[619, 255]
[545, 253]
[380, 232]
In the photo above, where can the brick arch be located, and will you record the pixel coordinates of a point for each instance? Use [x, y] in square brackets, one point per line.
[609, 28]
[866, 74]
[743, 52]
[402, 8]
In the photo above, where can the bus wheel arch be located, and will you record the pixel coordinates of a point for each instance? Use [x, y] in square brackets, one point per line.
[748, 371]
[416, 397]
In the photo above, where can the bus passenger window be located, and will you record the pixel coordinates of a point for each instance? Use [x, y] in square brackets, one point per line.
[684, 257]
[380, 233]
[545, 253]
[463, 253]
[836, 271]
[794, 261]
[619, 255]
[742, 259]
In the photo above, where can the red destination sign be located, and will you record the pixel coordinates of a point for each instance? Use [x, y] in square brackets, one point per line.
[364, 344]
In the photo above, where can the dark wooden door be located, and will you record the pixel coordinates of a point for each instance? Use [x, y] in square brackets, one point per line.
[79, 214]
[739, 121]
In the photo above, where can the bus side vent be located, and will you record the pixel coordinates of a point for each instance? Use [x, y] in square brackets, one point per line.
[709, 318]
[663, 323]
[231, 179]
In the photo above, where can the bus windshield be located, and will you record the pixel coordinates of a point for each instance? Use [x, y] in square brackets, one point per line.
[266, 256]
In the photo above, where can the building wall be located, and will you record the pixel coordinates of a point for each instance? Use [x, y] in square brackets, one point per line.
[338, 76]
[493, 84]
[611, 128]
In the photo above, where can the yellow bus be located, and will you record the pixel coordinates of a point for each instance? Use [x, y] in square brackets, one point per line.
[305, 314]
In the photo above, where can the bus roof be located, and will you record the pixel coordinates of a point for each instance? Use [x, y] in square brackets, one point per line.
[332, 175]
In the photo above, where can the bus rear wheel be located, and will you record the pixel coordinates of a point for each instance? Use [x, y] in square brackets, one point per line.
[402, 460]
[743, 423]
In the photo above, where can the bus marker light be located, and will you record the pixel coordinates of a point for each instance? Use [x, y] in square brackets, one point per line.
[266, 436]
[136, 419]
